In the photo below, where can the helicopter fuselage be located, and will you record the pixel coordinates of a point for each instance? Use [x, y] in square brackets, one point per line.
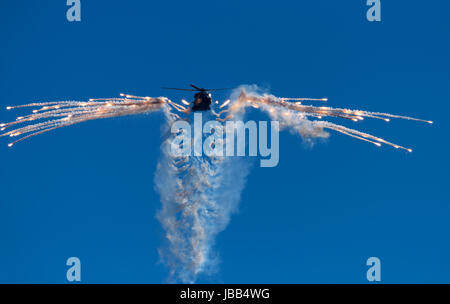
[202, 101]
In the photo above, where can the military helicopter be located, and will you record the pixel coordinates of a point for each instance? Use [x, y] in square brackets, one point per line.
[202, 99]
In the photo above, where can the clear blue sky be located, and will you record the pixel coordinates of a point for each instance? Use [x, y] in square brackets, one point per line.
[87, 191]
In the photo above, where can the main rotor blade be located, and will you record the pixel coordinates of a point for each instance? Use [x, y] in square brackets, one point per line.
[221, 89]
[198, 89]
[179, 89]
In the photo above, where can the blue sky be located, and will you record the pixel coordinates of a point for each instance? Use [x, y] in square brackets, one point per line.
[87, 191]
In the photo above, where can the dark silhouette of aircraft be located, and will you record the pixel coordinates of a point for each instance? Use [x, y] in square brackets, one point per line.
[202, 99]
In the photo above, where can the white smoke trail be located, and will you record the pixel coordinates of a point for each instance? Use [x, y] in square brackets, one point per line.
[198, 195]
[293, 121]
[306, 119]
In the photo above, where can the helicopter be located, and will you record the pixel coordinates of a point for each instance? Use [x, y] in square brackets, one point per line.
[202, 99]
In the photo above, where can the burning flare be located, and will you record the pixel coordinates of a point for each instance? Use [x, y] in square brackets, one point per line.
[292, 112]
[55, 115]
[59, 114]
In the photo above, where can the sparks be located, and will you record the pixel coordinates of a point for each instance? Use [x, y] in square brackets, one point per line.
[62, 114]
[225, 103]
[55, 115]
[284, 106]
